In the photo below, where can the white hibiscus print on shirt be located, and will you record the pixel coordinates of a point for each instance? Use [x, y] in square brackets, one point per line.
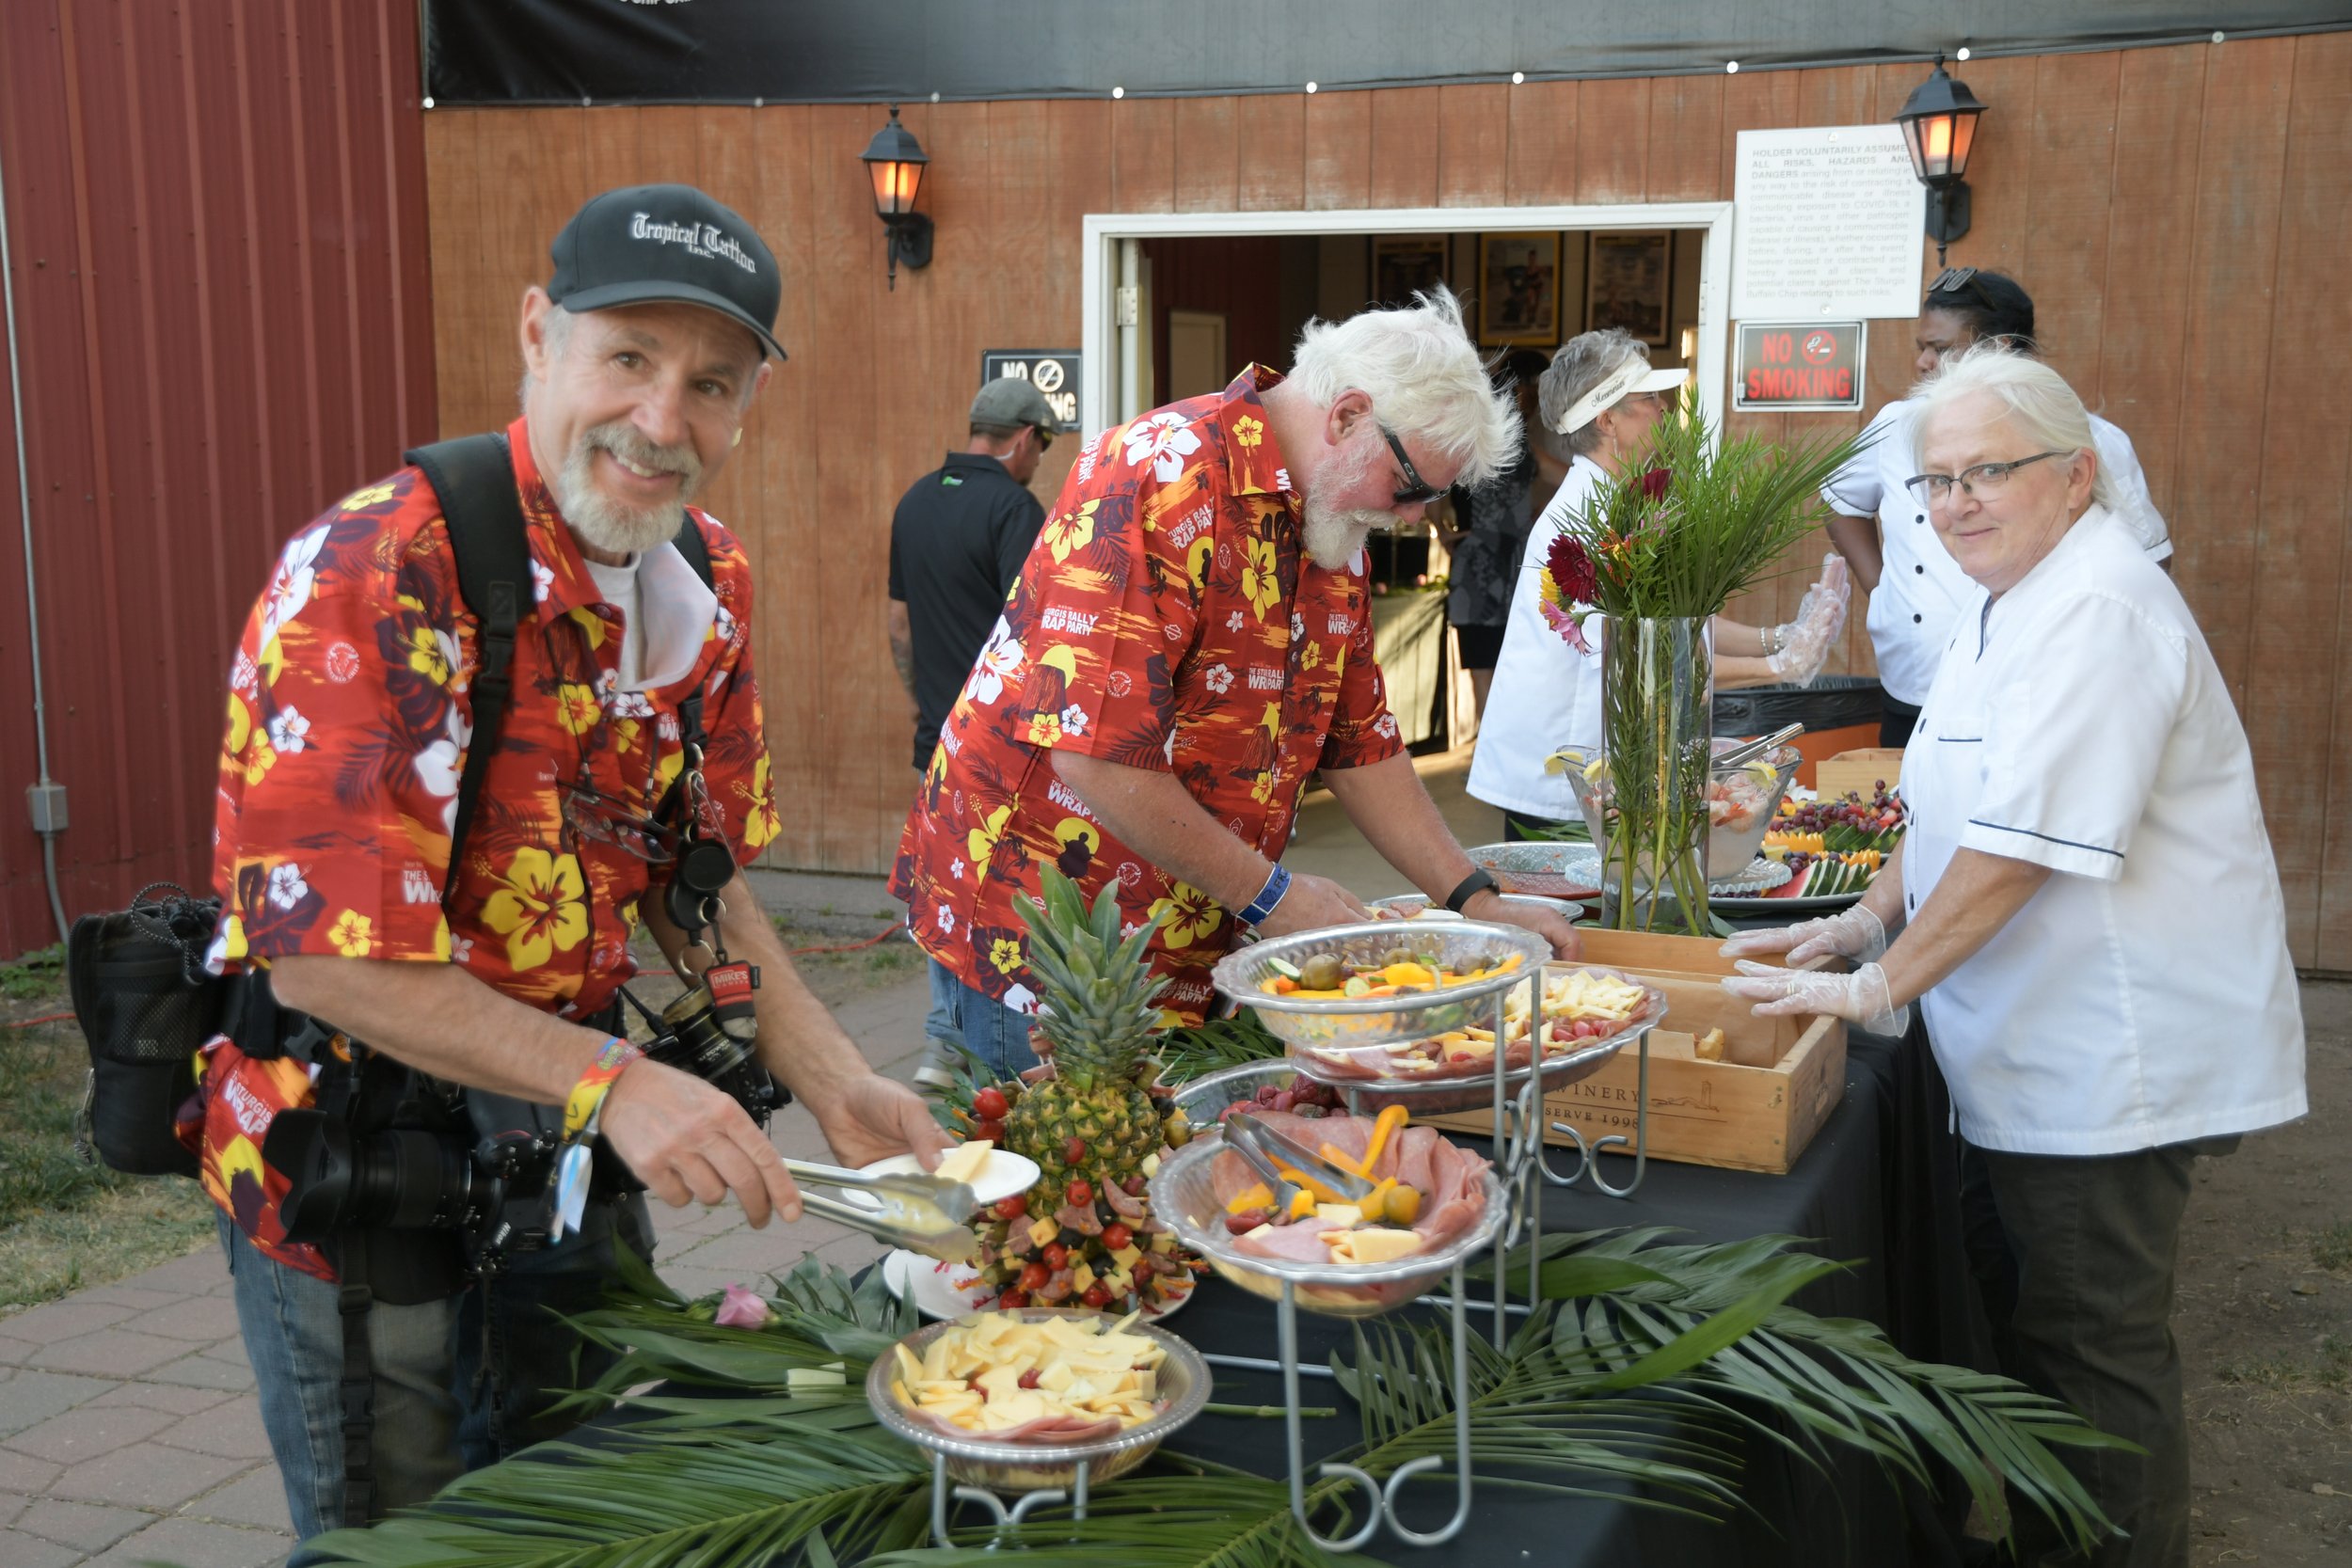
[999, 659]
[1162, 440]
[1217, 678]
[1074, 720]
[289, 585]
[288, 730]
[286, 886]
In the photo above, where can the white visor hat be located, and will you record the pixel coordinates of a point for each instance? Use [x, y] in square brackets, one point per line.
[1627, 380]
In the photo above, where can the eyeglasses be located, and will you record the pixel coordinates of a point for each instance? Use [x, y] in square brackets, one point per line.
[1417, 489]
[595, 815]
[1953, 280]
[1044, 437]
[1982, 479]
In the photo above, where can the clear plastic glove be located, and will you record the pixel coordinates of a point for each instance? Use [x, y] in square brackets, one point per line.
[1804, 643]
[1861, 997]
[1850, 933]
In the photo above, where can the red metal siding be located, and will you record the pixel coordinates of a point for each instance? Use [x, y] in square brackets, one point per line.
[216, 229]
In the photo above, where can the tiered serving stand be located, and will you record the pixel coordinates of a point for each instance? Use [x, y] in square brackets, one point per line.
[1331, 1040]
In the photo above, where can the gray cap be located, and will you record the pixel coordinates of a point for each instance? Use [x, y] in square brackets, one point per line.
[1011, 401]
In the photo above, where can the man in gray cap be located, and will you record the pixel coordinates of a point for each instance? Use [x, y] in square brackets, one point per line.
[957, 542]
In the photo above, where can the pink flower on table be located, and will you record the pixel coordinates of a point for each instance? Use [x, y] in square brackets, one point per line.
[741, 1308]
[1565, 623]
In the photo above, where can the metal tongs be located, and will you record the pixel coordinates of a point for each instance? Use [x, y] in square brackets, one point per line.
[1748, 750]
[1267, 1151]
[919, 1212]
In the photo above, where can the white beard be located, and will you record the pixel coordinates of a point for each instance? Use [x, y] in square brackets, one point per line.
[605, 524]
[1332, 537]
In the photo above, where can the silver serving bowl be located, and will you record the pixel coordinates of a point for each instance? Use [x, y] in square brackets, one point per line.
[1184, 1199]
[1534, 868]
[1357, 1021]
[1471, 1091]
[1029, 1466]
[1419, 906]
[1731, 846]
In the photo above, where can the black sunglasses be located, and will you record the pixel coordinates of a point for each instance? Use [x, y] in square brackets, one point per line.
[1417, 489]
[1953, 280]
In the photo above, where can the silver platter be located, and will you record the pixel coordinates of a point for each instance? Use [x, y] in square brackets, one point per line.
[1360, 1020]
[1027, 1467]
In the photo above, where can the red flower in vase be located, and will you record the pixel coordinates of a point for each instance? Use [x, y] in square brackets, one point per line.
[1572, 569]
[1656, 483]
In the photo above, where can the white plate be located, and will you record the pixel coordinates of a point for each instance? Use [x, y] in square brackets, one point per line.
[953, 1289]
[1002, 1175]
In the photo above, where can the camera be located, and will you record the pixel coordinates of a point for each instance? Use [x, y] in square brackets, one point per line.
[478, 1164]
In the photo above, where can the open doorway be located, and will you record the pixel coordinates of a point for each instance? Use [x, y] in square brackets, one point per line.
[1190, 309]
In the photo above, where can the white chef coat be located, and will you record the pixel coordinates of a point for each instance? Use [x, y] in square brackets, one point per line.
[2143, 995]
[1921, 586]
[1545, 694]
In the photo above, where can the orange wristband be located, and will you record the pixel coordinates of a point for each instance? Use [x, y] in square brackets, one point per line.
[587, 1097]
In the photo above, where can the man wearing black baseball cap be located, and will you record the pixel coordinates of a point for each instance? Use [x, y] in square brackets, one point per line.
[361, 702]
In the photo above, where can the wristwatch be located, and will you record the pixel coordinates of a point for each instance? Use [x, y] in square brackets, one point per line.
[1471, 886]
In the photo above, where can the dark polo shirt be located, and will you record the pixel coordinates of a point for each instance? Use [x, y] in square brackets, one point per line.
[957, 542]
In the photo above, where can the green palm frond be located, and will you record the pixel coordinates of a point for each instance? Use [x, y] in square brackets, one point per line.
[1215, 1045]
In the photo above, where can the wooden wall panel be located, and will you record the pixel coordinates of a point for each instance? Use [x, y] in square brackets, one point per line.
[2296, 670]
[2169, 208]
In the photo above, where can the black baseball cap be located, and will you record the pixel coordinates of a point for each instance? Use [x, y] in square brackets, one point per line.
[645, 244]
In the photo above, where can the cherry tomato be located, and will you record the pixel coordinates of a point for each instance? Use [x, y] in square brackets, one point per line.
[1012, 1207]
[1012, 1298]
[991, 1130]
[989, 1104]
[1116, 1235]
[1098, 1296]
[1080, 1193]
[1074, 1149]
[1056, 1255]
[1034, 1278]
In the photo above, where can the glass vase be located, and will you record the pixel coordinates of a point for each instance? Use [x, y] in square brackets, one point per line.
[1658, 730]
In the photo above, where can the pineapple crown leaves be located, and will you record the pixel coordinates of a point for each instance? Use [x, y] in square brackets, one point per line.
[1080, 962]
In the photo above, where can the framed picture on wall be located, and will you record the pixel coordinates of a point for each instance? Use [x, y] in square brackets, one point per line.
[1629, 282]
[1518, 289]
[1404, 265]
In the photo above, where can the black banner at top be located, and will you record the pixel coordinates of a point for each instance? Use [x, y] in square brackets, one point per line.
[866, 51]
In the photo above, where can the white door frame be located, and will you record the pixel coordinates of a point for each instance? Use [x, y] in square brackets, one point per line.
[1104, 230]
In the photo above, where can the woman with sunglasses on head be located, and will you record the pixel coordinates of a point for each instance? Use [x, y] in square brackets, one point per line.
[1601, 402]
[1914, 585]
[2077, 780]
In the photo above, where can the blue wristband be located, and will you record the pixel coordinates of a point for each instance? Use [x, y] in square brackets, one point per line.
[1277, 882]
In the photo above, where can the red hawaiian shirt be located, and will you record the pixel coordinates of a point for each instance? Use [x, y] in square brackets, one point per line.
[1167, 618]
[349, 716]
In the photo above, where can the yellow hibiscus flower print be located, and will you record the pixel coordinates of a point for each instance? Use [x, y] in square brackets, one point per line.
[375, 494]
[577, 707]
[424, 655]
[1258, 583]
[260, 760]
[539, 907]
[352, 934]
[1005, 952]
[1072, 530]
[1247, 432]
[981, 841]
[760, 823]
[1261, 789]
[1044, 729]
[1191, 915]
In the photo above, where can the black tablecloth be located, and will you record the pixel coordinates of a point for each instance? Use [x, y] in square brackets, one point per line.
[1875, 1187]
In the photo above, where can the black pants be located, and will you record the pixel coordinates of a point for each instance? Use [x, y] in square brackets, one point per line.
[1895, 721]
[2074, 1258]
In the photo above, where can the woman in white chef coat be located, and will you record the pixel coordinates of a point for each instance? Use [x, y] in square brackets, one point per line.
[2088, 914]
[1915, 588]
[1603, 400]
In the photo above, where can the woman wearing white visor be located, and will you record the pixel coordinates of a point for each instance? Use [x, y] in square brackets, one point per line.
[1601, 402]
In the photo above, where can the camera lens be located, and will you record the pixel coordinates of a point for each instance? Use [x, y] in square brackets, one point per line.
[404, 1179]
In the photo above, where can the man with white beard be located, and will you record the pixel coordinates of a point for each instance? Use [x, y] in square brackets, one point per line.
[1188, 643]
[451, 983]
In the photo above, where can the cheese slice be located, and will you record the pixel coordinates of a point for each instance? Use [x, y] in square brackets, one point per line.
[963, 1162]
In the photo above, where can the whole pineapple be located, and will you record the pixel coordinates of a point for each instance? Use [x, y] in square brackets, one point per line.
[1093, 1120]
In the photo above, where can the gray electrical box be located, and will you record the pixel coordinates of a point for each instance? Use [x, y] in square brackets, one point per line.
[47, 801]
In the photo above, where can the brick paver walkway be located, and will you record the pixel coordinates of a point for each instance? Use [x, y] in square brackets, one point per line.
[129, 1429]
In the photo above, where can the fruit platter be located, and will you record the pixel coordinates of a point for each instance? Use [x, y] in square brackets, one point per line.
[1378, 982]
[1833, 848]
[1435, 1204]
[1588, 1014]
[1016, 1399]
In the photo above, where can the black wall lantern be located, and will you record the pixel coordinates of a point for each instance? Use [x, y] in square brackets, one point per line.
[1939, 121]
[895, 160]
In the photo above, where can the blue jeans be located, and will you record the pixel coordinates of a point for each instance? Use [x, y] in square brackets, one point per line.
[459, 1383]
[977, 1022]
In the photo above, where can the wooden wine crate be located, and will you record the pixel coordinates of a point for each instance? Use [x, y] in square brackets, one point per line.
[1754, 1110]
[1859, 771]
